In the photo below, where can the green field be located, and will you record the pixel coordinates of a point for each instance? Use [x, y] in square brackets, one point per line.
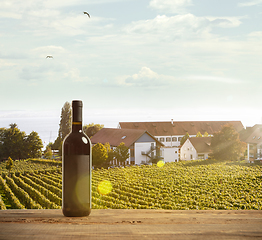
[185, 185]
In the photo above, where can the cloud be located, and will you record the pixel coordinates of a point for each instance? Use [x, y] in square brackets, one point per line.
[250, 3]
[171, 6]
[184, 26]
[48, 18]
[66, 3]
[6, 64]
[225, 22]
[48, 50]
[214, 79]
[179, 26]
[43, 70]
[255, 35]
[147, 78]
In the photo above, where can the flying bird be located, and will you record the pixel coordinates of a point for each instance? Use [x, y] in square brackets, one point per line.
[87, 14]
[49, 56]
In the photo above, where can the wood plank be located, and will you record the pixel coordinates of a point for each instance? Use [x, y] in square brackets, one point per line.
[131, 224]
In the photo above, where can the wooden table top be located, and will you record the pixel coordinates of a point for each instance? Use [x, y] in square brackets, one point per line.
[131, 224]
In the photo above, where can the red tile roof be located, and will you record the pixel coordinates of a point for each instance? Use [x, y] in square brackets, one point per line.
[201, 144]
[115, 136]
[180, 128]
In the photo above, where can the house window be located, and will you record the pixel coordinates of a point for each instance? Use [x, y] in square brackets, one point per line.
[174, 139]
[179, 138]
[162, 139]
[168, 139]
[191, 156]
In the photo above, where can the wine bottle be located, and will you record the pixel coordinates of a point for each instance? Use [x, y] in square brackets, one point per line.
[76, 166]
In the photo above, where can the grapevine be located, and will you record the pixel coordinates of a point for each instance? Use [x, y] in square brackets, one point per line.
[177, 186]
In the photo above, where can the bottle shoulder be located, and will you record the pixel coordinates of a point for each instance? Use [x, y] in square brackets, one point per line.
[77, 137]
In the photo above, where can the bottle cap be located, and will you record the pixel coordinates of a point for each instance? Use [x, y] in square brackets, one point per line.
[77, 110]
[77, 103]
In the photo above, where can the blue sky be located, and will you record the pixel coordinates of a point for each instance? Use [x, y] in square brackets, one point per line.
[133, 59]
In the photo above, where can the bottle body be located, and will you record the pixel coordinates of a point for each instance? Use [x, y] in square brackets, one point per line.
[76, 164]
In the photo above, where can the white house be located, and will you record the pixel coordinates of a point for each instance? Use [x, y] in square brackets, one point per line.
[252, 136]
[170, 154]
[195, 148]
[143, 147]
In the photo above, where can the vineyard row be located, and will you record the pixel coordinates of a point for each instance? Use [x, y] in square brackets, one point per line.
[134, 188]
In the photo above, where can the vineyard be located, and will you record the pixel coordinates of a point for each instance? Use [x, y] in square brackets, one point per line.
[37, 184]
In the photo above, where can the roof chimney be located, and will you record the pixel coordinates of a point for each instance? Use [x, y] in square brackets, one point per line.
[172, 121]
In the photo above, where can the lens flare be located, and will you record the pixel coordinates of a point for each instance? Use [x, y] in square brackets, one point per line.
[104, 187]
[160, 163]
[82, 190]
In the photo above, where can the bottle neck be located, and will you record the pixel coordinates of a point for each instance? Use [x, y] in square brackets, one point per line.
[76, 126]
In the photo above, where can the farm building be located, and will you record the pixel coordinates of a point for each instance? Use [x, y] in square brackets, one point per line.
[195, 148]
[252, 136]
[170, 133]
[143, 147]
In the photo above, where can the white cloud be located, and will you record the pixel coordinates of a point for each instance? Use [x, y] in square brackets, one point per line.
[182, 26]
[250, 3]
[6, 64]
[173, 6]
[225, 22]
[65, 3]
[43, 18]
[255, 35]
[74, 75]
[48, 50]
[179, 26]
[147, 78]
[214, 79]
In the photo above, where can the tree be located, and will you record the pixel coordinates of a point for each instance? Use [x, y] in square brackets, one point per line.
[91, 129]
[110, 153]
[17, 145]
[64, 126]
[48, 153]
[2, 134]
[57, 144]
[13, 143]
[121, 152]
[205, 134]
[34, 145]
[65, 121]
[226, 145]
[99, 155]
[9, 164]
[184, 138]
[199, 134]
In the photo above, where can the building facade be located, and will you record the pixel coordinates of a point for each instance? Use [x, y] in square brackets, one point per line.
[143, 147]
[170, 133]
[252, 136]
[196, 148]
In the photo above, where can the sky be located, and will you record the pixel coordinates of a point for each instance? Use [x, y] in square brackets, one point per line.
[132, 60]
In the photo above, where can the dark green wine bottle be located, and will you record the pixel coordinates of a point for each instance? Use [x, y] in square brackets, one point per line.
[76, 165]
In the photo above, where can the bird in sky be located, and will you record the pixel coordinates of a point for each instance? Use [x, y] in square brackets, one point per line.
[87, 14]
[49, 56]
